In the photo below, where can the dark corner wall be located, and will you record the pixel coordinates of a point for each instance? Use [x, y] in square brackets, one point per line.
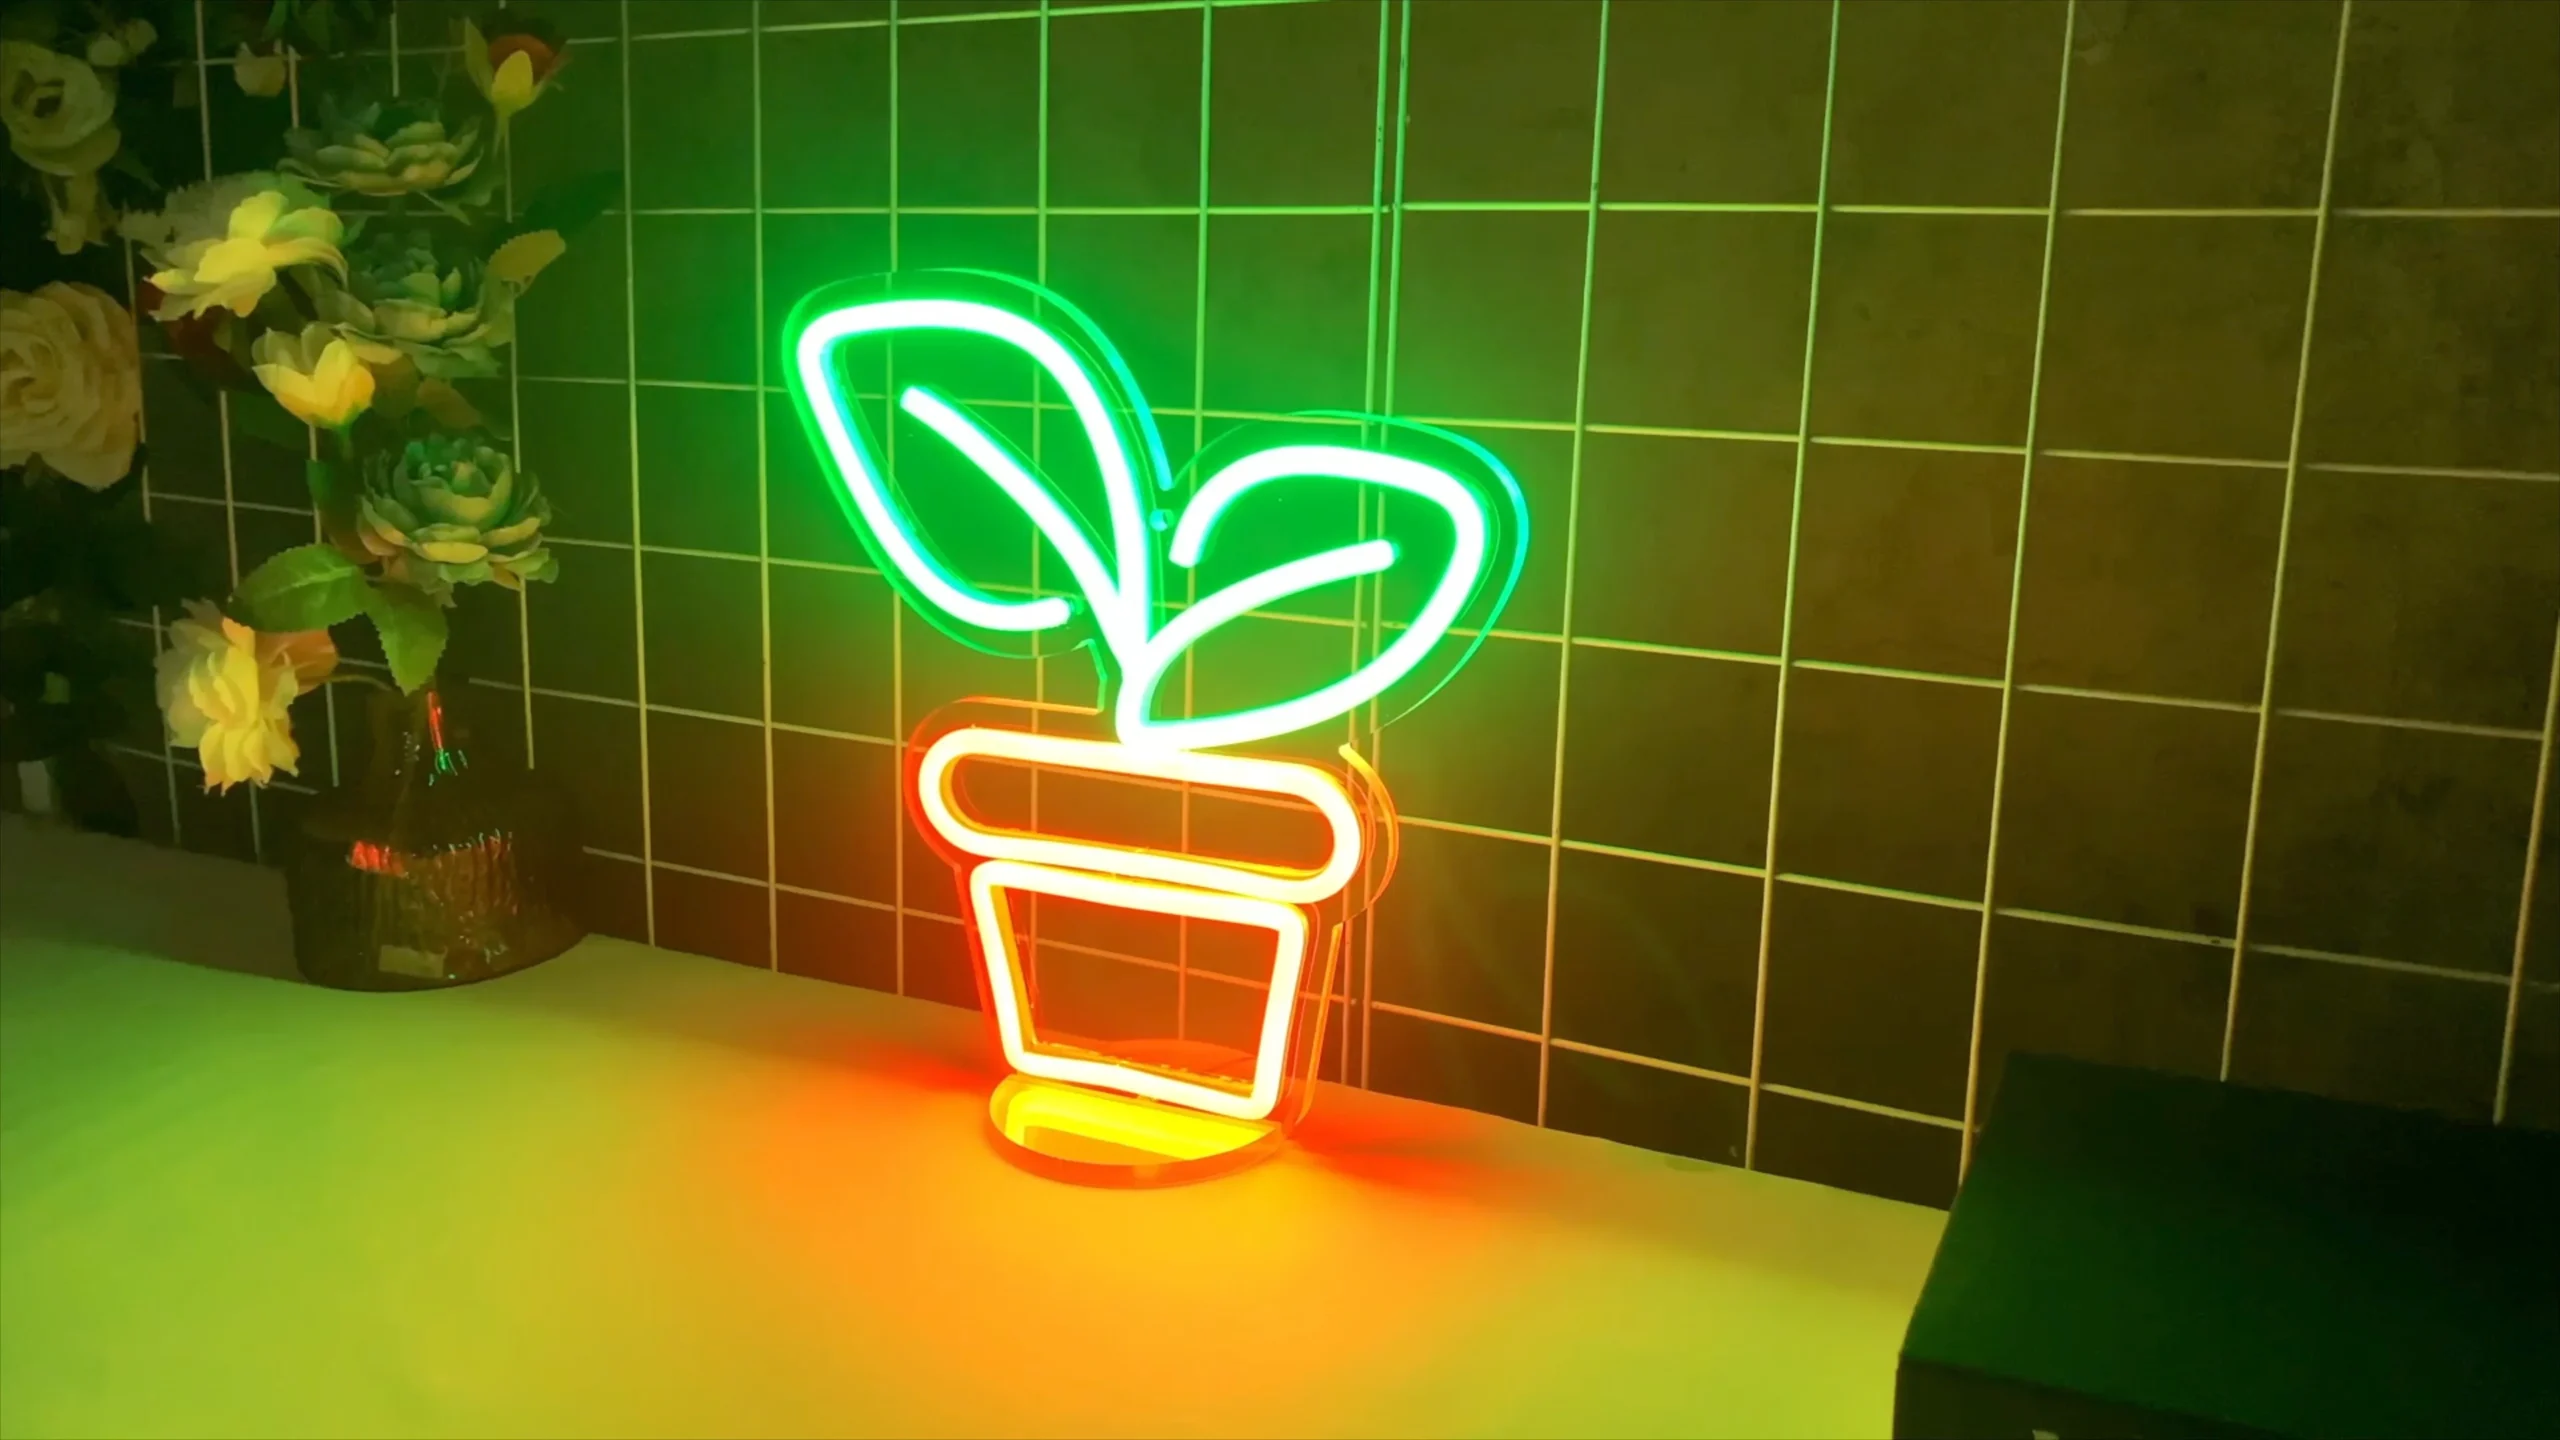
[2048, 517]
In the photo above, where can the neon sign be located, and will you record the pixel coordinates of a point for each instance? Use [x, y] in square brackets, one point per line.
[1475, 528]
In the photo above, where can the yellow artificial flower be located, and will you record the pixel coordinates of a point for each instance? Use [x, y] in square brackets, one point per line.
[235, 271]
[79, 213]
[192, 213]
[317, 376]
[259, 75]
[225, 690]
[70, 382]
[111, 48]
[510, 72]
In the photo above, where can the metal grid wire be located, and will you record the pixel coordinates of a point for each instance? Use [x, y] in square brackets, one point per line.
[1386, 214]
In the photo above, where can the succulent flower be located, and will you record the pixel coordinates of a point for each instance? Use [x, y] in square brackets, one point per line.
[452, 511]
[316, 375]
[400, 301]
[268, 231]
[400, 149]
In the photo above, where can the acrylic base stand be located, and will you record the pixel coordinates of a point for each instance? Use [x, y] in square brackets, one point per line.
[1087, 1136]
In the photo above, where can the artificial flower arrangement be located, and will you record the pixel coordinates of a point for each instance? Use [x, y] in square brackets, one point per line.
[90, 88]
[360, 282]
[61, 108]
[357, 281]
[76, 553]
[75, 550]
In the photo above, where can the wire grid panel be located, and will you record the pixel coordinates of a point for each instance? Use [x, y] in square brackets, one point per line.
[1395, 273]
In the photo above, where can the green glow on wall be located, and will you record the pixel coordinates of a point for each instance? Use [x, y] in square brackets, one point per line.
[1472, 492]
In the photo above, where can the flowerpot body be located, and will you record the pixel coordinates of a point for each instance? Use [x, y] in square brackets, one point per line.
[1280, 916]
[433, 868]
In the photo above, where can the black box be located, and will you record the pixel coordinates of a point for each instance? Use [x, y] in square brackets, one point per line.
[2136, 1254]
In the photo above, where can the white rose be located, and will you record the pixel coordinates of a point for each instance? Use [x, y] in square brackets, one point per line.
[226, 690]
[70, 382]
[60, 115]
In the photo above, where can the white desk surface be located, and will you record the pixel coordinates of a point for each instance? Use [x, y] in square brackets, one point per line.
[633, 1192]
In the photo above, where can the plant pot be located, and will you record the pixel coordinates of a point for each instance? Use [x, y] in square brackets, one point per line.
[436, 867]
[1134, 1110]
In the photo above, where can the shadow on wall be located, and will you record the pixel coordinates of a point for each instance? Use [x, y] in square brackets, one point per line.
[102, 891]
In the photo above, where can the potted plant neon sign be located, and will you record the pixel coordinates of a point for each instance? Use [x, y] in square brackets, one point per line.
[1426, 493]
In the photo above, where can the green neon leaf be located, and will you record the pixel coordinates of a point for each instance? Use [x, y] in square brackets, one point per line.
[1113, 576]
[1486, 519]
[1111, 565]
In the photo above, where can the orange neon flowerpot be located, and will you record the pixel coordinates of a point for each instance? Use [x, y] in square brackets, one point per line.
[1134, 1108]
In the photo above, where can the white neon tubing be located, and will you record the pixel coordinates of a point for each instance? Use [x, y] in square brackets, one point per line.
[1262, 588]
[1288, 924]
[1037, 501]
[1119, 611]
[1466, 566]
[1229, 772]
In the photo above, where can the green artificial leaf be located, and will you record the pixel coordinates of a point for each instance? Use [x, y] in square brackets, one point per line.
[412, 627]
[569, 205]
[36, 22]
[335, 500]
[128, 486]
[322, 480]
[261, 418]
[93, 793]
[523, 257]
[448, 406]
[309, 587]
[130, 164]
[26, 657]
[475, 193]
[35, 734]
[198, 383]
